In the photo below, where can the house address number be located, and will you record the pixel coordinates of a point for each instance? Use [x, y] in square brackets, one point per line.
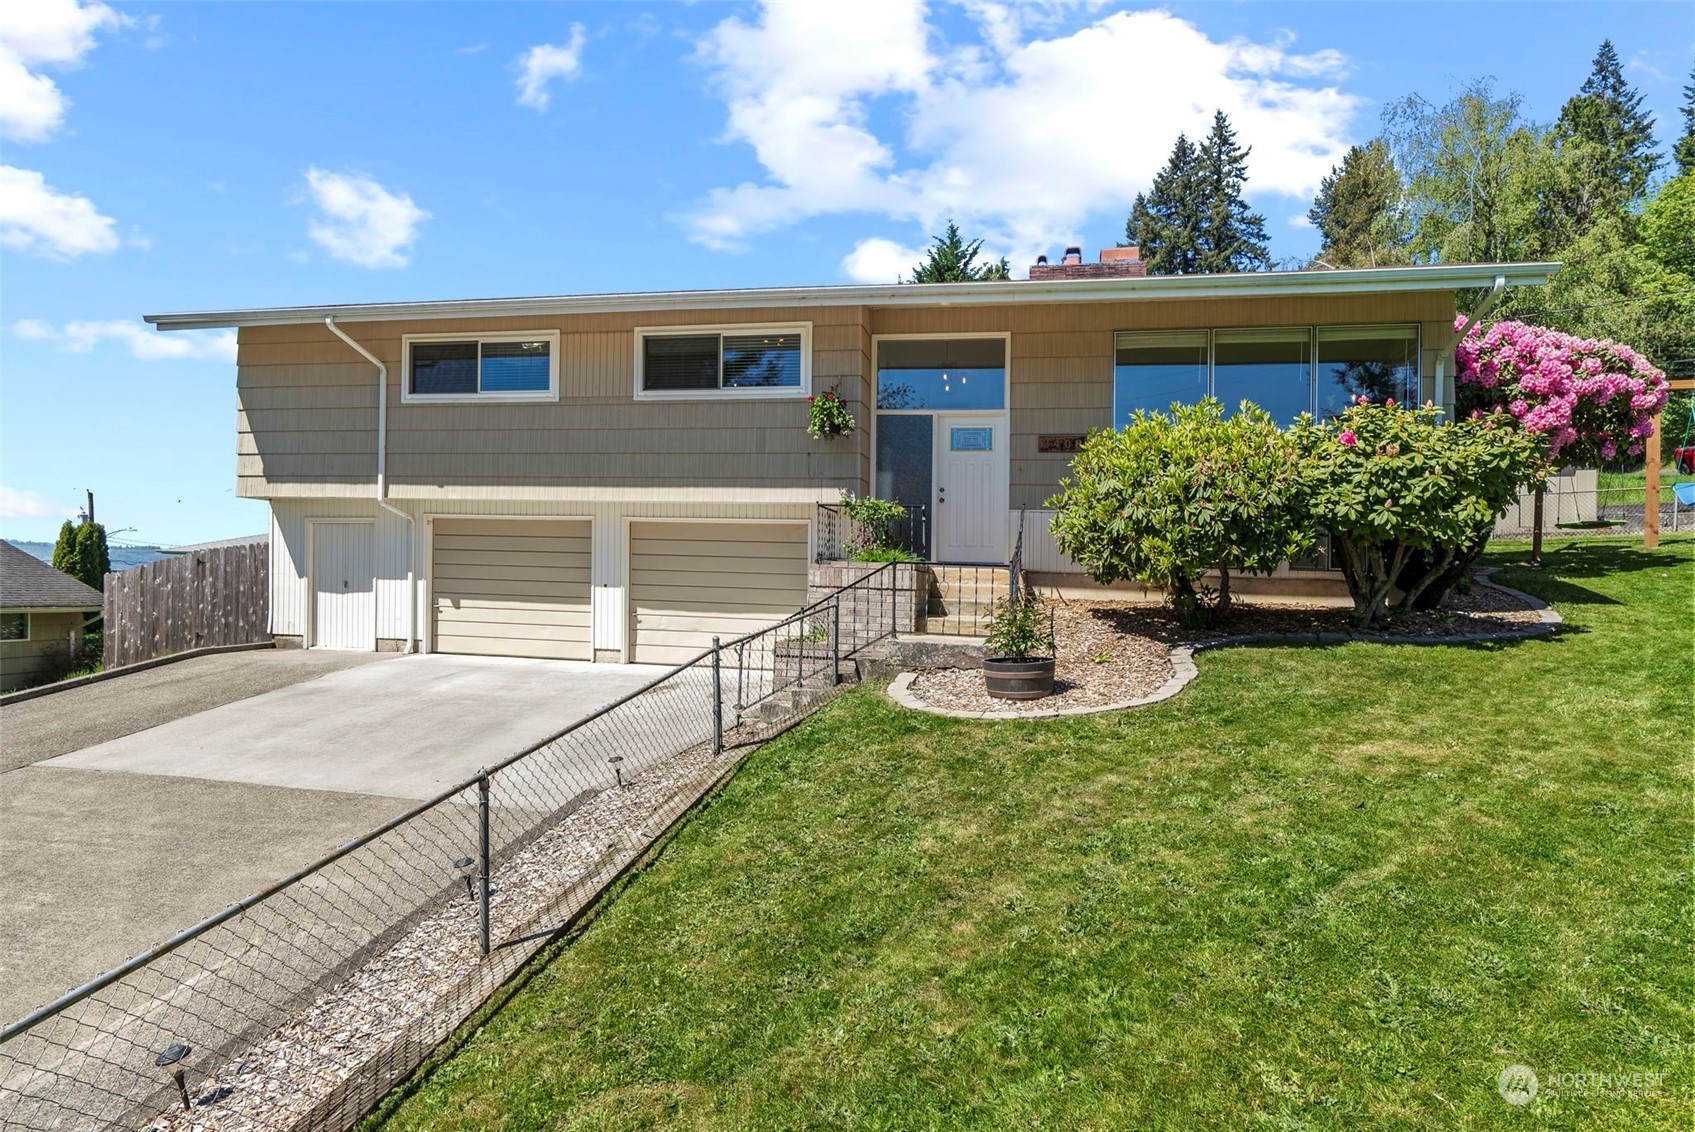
[1060, 443]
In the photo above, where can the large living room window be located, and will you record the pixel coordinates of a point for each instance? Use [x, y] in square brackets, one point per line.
[1285, 371]
[690, 362]
[1151, 371]
[1372, 361]
[515, 367]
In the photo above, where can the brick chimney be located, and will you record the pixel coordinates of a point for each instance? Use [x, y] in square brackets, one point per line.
[1116, 263]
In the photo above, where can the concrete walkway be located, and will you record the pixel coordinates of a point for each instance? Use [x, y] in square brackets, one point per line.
[108, 849]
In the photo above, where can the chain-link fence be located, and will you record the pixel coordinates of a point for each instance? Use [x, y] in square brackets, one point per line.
[1575, 508]
[301, 1005]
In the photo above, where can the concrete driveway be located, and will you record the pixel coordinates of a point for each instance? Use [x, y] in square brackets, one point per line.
[110, 848]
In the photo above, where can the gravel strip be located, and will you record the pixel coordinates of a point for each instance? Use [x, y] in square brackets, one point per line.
[280, 1079]
[1111, 652]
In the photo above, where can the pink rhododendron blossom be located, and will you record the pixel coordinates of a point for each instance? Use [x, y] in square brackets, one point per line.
[1348, 438]
[1587, 396]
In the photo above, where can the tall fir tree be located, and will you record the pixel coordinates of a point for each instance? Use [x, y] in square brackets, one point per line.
[65, 551]
[1684, 151]
[1612, 135]
[94, 559]
[1232, 236]
[953, 259]
[1165, 222]
[1359, 210]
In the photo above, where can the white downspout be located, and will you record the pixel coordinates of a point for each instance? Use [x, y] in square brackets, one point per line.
[1446, 395]
[382, 483]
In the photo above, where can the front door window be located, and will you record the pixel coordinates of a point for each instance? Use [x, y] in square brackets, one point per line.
[942, 443]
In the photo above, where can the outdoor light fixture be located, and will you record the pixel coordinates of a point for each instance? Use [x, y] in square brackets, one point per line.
[171, 1056]
[462, 864]
[616, 769]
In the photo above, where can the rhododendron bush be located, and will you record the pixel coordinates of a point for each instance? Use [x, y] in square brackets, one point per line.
[1406, 498]
[1594, 400]
[1173, 496]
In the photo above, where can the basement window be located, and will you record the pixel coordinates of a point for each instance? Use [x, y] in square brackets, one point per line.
[514, 367]
[746, 361]
[14, 626]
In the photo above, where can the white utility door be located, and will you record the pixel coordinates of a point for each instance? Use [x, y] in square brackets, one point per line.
[344, 586]
[972, 477]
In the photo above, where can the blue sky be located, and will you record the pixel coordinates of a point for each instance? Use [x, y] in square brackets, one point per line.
[192, 156]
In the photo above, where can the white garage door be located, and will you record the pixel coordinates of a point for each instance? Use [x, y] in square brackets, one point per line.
[690, 582]
[512, 587]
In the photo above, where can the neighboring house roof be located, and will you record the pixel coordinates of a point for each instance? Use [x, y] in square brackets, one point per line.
[218, 544]
[26, 582]
[1424, 277]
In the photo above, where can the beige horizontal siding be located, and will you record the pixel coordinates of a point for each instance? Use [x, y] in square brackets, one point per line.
[512, 587]
[307, 409]
[49, 646]
[307, 414]
[689, 582]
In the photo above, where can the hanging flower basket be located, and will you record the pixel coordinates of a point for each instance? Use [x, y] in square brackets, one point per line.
[827, 415]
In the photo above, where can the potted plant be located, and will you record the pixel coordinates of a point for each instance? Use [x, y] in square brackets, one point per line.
[1019, 652]
[827, 415]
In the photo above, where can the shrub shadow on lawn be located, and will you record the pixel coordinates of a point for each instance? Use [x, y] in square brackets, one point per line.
[1322, 626]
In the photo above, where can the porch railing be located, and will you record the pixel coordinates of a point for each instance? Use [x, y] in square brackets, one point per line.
[838, 534]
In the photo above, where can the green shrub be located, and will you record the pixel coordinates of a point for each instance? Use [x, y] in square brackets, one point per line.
[1169, 497]
[872, 540]
[1019, 630]
[1396, 488]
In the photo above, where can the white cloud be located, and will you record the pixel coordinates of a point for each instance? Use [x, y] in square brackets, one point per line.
[36, 217]
[142, 341]
[545, 62]
[1018, 137]
[43, 33]
[877, 260]
[361, 221]
[16, 503]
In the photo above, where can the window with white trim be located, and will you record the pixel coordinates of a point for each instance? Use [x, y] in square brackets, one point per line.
[498, 367]
[14, 626]
[770, 361]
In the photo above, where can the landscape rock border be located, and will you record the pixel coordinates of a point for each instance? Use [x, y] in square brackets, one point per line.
[1183, 670]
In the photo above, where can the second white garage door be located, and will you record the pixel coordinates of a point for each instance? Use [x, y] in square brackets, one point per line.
[512, 587]
[690, 582]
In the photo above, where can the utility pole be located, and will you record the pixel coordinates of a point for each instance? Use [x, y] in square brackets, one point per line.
[88, 516]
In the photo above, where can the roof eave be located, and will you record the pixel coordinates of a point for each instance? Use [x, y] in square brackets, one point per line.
[1266, 284]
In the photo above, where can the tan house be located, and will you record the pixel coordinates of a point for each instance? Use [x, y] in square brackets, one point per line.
[42, 611]
[619, 477]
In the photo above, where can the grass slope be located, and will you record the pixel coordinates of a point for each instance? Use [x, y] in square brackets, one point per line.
[1323, 888]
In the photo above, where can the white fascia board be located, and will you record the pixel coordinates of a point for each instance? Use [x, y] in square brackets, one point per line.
[1267, 284]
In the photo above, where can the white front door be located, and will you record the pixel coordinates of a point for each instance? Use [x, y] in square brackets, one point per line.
[971, 488]
[344, 584]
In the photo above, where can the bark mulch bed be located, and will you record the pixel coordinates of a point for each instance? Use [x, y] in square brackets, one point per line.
[1113, 651]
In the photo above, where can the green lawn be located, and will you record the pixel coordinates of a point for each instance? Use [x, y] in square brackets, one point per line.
[1614, 486]
[1323, 888]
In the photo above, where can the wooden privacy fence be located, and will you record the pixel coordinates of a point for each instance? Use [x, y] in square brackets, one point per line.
[220, 596]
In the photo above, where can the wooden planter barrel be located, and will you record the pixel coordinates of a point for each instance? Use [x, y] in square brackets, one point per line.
[1013, 678]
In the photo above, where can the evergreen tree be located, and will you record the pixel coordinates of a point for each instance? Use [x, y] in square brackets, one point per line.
[65, 551]
[94, 560]
[1232, 238]
[1684, 150]
[1165, 222]
[952, 259]
[1613, 136]
[1359, 211]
